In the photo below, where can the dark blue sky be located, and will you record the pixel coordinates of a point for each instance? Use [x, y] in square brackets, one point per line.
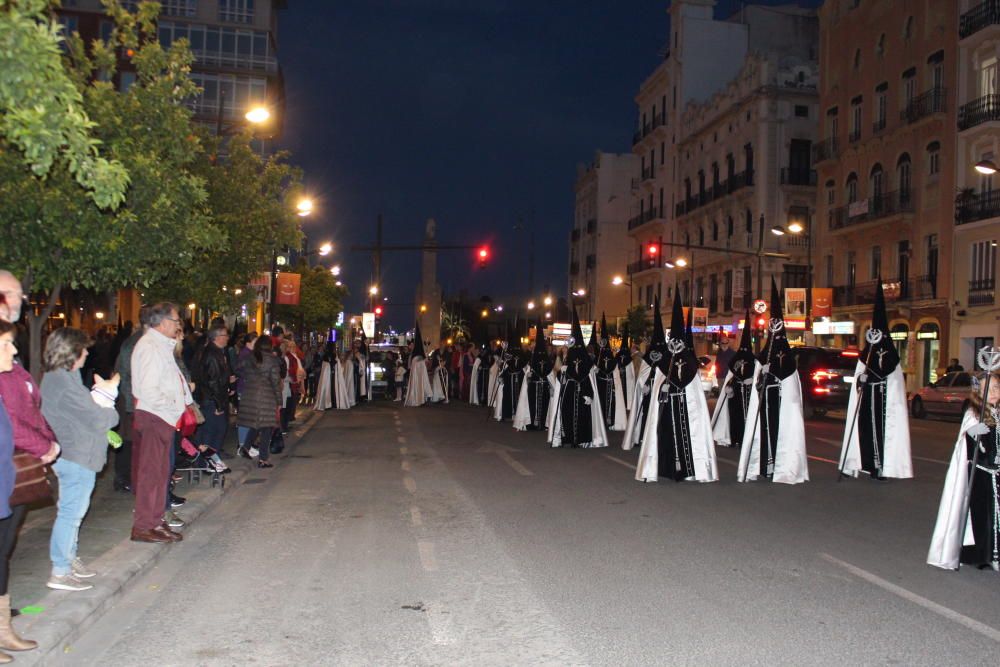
[473, 112]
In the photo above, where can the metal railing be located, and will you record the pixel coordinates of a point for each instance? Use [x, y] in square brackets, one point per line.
[643, 218]
[727, 187]
[923, 105]
[878, 125]
[644, 131]
[982, 292]
[648, 173]
[981, 16]
[981, 206]
[798, 176]
[854, 136]
[828, 149]
[978, 111]
[881, 206]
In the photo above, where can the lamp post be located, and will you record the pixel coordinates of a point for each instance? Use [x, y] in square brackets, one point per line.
[797, 227]
[303, 207]
[618, 280]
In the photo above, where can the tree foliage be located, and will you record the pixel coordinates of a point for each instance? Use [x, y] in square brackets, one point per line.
[42, 112]
[320, 300]
[638, 324]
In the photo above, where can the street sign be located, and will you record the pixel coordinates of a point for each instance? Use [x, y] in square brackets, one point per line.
[368, 324]
[760, 306]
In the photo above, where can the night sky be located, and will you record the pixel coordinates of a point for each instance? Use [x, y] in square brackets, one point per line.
[473, 112]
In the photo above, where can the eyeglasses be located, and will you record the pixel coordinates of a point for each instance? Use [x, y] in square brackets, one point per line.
[175, 320]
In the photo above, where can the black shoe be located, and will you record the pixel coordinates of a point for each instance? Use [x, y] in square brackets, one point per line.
[176, 501]
[122, 487]
[242, 451]
[264, 464]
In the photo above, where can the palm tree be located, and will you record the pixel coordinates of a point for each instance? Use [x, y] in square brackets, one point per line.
[453, 325]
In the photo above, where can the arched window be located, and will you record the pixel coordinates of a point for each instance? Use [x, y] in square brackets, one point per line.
[851, 188]
[903, 176]
[831, 193]
[908, 28]
[715, 230]
[701, 236]
[933, 158]
[857, 59]
[730, 226]
[749, 220]
[876, 182]
[880, 46]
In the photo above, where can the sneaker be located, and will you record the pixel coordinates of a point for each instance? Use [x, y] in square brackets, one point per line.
[177, 501]
[254, 452]
[242, 451]
[81, 571]
[67, 582]
[173, 520]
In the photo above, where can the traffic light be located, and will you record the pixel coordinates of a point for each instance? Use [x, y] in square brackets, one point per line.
[378, 311]
[653, 249]
[761, 322]
[483, 254]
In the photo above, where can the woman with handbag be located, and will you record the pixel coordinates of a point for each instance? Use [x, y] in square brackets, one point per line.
[81, 426]
[18, 483]
[260, 403]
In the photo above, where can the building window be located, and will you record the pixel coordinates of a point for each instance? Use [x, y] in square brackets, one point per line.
[230, 48]
[933, 158]
[876, 182]
[988, 77]
[881, 106]
[876, 267]
[730, 227]
[187, 8]
[857, 59]
[909, 88]
[663, 152]
[715, 230]
[880, 46]
[852, 268]
[851, 189]
[831, 193]
[238, 94]
[908, 28]
[701, 236]
[727, 291]
[983, 264]
[801, 111]
[903, 176]
[828, 262]
[855, 134]
[713, 293]
[236, 11]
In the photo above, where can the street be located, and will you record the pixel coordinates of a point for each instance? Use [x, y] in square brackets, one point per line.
[435, 536]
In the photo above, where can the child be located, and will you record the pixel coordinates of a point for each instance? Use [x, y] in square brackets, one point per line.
[400, 376]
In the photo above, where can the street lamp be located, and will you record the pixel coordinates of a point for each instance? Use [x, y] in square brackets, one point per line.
[258, 115]
[304, 207]
[373, 290]
[681, 262]
[335, 270]
[325, 250]
[531, 305]
[778, 230]
[986, 167]
[617, 281]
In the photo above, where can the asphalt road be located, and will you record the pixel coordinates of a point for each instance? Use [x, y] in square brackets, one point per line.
[435, 536]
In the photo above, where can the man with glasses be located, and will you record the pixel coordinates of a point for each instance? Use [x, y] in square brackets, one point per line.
[10, 287]
[161, 398]
[213, 379]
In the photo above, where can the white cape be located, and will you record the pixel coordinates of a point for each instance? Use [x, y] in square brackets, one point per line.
[522, 413]
[343, 399]
[706, 468]
[363, 370]
[897, 460]
[439, 385]
[418, 391]
[633, 427]
[946, 543]
[474, 382]
[597, 431]
[555, 387]
[323, 401]
[347, 373]
[491, 392]
[791, 466]
[720, 416]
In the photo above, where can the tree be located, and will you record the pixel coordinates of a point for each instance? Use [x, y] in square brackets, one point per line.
[64, 238]
[41, 110]
[453, 325]
[320, 300]
[637, 325]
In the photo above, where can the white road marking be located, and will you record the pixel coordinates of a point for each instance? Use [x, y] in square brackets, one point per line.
[440, 621]
[952, 615]
[619, 461]
[924, 458]
[724, 460]
[427, 558]
[509, 460]
[820, 458]
[405, 465]
[416, 518]
[403, 450]
[828, 441]
[401, 440]
[410, 484]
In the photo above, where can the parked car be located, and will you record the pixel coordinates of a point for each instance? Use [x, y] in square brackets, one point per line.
[380, 364]
[827, 376]
[949, 396]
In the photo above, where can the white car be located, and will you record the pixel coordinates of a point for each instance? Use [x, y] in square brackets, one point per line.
[709, 382]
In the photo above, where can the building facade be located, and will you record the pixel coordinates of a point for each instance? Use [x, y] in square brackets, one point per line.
[745, 171]
[599, 243]
[977, 216]
[234, 43]
[886, 201]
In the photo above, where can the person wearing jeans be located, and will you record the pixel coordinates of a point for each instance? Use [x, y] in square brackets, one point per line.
[81, 427]
[260, 402]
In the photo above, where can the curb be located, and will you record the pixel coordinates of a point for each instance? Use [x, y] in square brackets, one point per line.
[68, 616]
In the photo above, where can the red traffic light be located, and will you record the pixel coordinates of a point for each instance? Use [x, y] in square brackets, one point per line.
[761, 322]
[483, 254]
[378, 311]
[653, 249]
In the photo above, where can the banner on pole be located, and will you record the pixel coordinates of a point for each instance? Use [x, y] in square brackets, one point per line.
[795, 306]
[288, 289]
[822, 305]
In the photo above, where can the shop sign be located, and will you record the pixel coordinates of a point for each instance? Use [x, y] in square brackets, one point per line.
[368, 324]
[833, 328]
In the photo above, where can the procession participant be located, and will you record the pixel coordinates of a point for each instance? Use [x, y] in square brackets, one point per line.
[493, 384]
[338, 382]
[625, 372]
[592, 344]
[418, 391]
[533, 403]
[479, 376]
[730, 414]
[609, 385]
[578, 419]
[639, 404]
[981, 543]
[677, 443]
[359, 361]
[324, 387]
[877, 434]
[510, 378]
[775, 436]
[350, 377]
[440, 380]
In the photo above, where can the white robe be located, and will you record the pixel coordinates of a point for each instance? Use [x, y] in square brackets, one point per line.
[897, 461]
[474, 382]
[343, 399]
[363, 370]
[791, 465]
[439, 385]
[621, 412]
[720, 415]
[491, 391]
[418, 391]
[946, 542]
[598, 433]
[522, 413]
[633, 426]
[347, 373]
[323, 400]
[555, 386]
[706, 468]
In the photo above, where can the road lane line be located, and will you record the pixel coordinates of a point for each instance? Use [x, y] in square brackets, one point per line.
[410, 484]
[725, 460]
[828, 441]
[403, 450]
[820, 458]
[401, 440]
[619, 461]
[427, 558]
[416, 517]
[509, 460]
[930, 605]
[924, 458]
[405, 465]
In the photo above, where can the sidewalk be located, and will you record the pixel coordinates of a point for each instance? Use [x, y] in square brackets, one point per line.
[56, 618]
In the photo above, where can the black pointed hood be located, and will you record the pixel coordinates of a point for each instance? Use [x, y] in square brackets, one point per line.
[592, 343]
[514, 338]
[880, 352]
[624, 355]
[742, 363]
[657, 348]
[578, 361]
[418, 343]
[777, 351]
[605, 355]
[677, 331]
[539, 353]
[680, 366]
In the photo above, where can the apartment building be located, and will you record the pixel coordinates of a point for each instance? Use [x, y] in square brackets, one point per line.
[886, 203]
[977, 216]
[599, 242]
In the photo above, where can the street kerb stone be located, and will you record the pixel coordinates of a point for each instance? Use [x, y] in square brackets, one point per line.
[65, 616]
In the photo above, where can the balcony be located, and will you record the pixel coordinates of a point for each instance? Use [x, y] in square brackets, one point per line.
[878, 126]
[798, 176]
[979, 206]
[591, 261]
[854, 136]
[979, 111]
[718, 191]
[981, 16]
[982, 292]
[648, 174]
[863, 294]
[643, 265]
[643, 218]
[828, 149]
[924, 105]
[232, 61]
[591, 226]
[644, 131]
[874, 208]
